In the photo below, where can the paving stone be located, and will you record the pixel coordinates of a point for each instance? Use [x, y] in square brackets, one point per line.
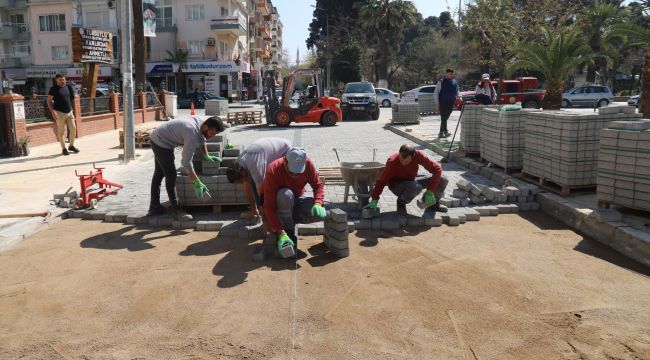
[608, 215]
[88, 215]
[504, 208]
[337, 215]
[316, 228]
[464, 185]
[464, 202]
[460, 194]
[511, 191]
[340, 236]
[341, 253]
[336, 226]
[333, 243]
[453, 220]
[475, 190]
[433, 220]
[137, 220]
[376, 224]
[389, 222]
[363, 224]
[183, 225]
[472, 214]
[414, 221]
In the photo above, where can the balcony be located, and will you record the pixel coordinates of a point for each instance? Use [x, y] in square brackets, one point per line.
[235, 25]
[15, 4]
[257, 44]
[9, 31]
[13, 61]
[255, 18]
[263, 6]
[166, 25]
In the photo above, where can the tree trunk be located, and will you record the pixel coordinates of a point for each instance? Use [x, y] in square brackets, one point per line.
[383, 60]
[139, 44]
[591, 74]
[553, 96]
[644, 105]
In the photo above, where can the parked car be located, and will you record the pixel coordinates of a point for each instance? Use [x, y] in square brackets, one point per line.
[183, 102]
[523, 90]
[634, 100]
[426, 89]
[588, 95]
[359, 97]
[386, 97]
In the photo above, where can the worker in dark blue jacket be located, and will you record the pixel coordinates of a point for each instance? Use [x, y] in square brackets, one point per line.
[445, 95]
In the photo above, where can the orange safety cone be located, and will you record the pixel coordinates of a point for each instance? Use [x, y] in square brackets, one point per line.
[192, 112]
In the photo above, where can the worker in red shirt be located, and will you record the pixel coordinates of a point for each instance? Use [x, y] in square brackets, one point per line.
[285, 200]
[401, 176]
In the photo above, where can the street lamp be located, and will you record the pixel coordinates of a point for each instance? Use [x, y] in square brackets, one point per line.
[327, 43]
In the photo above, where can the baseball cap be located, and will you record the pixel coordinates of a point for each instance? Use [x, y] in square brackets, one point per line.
[296, 158]
[485, 76]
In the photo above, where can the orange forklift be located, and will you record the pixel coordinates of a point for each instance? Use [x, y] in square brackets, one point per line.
[301, 101]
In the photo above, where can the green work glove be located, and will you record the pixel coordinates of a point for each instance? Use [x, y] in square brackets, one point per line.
[199, 188]
[284, 240]
[230, 146]
[318, 210]
[212, 158]
[373, 204]
[429, 198]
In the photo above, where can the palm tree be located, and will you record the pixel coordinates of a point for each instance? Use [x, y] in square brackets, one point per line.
[388, 19]
[179, 58]
[639, 36]
[555, 56]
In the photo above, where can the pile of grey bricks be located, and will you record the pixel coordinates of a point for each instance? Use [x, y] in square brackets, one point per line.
[405, 113]
[562, 147]
[502, 137]
[610, 110]
[336, 232]
[426, 103]
[624, 164]
[216, 107]
[512, 194]
[470, 127]
[213, 175]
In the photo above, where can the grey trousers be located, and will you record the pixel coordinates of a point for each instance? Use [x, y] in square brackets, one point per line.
[291, 209]
[408, 190]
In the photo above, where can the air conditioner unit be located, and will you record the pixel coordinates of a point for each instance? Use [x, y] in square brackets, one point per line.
[110, 4]
[211, 41]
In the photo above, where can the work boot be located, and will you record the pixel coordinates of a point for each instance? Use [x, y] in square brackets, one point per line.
[441, 135]
[65, 152]
[157, 210]
[73, 149]
[401, 208]
[181, 215]
[447, 134]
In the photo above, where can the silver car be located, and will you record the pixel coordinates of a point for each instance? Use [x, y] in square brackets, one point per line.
[588, 95]
[426, 89]
[386, 97]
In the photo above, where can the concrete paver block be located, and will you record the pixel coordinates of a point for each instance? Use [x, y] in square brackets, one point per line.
[472, 214]
[608, 215]
[337, 215]
[341, 253]
[433, 220]
[333, 243]
[464, 184]
[336, 226]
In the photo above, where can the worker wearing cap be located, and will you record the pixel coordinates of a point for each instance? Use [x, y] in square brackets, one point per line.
[189, 133]
[401, 176]
[285, 200]
[485, 93]
[250, 168]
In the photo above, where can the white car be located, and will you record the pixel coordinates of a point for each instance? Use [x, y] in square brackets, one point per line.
[386, 97]
[426, 89]
[634, 100]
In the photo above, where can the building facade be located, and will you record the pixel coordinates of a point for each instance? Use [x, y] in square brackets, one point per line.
[218, 46]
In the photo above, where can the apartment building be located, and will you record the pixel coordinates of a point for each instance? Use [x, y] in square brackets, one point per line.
[228, 43]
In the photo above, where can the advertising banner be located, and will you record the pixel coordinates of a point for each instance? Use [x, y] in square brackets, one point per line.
[149, 17]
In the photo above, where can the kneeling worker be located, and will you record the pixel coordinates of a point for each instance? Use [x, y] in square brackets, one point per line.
[401, 176]
[190, 133]
[250, 169]
[285, 201]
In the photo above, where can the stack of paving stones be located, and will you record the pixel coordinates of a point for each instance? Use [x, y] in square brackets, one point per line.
[610, 110]
[406, 113]
[470, 125]
[624, 164]
[213, 175]
[562, 147]
[336, 232]
[216, 107]
[502, 137]
[511, 197]
[426, 103]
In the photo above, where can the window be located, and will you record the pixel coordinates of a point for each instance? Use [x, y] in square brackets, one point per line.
[223, 50]
[428, 89]
[59, 52]
[511, 87]
[195, 47]
[17, 18]
[51, 23]
[194, 12]
[224, 11]
[20, 48]
[99, 19]
[164, 13]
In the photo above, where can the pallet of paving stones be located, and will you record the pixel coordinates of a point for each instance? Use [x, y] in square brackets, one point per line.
[426, 104]
[244, 117]
[624, 165]
[469, 194]
[405, 113]
[562, 147]
[557, 188]
[470, 126]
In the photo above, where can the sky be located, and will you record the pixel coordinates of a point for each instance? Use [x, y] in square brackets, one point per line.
[297, 14]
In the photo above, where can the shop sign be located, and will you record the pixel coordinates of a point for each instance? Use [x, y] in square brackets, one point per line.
[210, 66]
[92, 46]
[44, 72]
[19, 110]
[212, 85]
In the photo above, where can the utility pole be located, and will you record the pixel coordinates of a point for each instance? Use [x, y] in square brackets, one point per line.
[127, 79]
[460, 7]
[329, 55]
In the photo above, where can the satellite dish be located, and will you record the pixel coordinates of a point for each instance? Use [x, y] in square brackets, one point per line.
[110, 4]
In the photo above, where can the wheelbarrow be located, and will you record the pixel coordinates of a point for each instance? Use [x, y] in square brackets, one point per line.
[361, 177]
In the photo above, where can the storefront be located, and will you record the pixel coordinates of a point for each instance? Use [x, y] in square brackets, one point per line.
[160, 72]
[41, 79]
[19, 80]
[218, 77]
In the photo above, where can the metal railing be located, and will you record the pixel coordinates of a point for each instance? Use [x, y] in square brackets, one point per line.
[36, 111]
[95, 106]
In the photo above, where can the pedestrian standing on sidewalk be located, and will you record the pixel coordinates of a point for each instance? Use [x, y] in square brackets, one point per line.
[190, 133]
[59, 101]
[401, 176]
[445, 95]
